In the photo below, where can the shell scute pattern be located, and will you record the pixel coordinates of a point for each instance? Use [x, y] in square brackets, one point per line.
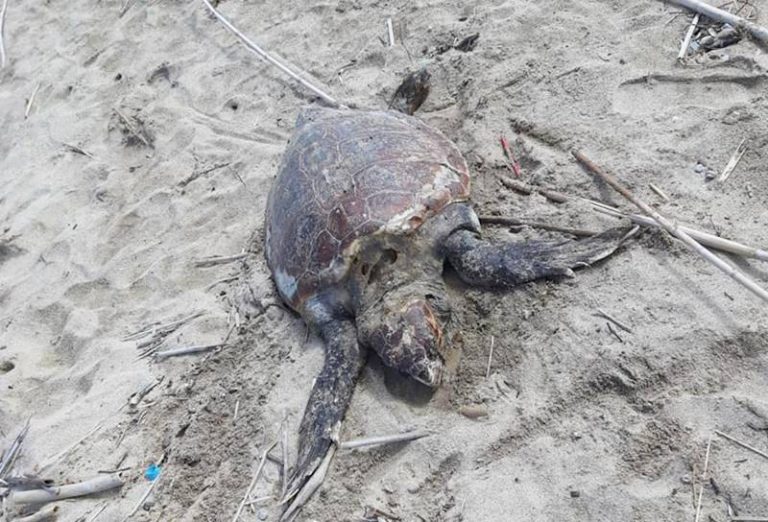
[350, 174]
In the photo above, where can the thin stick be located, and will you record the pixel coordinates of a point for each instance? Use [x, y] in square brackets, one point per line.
[2, 26]
[512, 222]
[78, 150]
[310, 487]
[188, 350]
[30, 100]
[43, 515]
[50, 462]
[391, 32]
[490, 358]
[749, 518]
[88, 487]
[218, 260]
[384, 439]
[734, 161]
[237, 409]
[285, 455]
[253, 482]
[688, 36]
[96, 515]
[758, 32]
[742, 444]
[614, 321]
[614, 332]
[659, 192]
[705, 238]
[142, 499]
[268, 57]
[673, 229]
[703, 478]
[9, 456]
[132, 128]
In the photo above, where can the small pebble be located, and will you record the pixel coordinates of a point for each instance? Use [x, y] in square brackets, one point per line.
[699, 168]
[685, 479]
[575, 493]
[262, 514]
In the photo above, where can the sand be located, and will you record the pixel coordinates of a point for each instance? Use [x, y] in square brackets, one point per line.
[151, 144]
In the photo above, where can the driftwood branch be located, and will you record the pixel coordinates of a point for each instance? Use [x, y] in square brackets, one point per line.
[758, 32]
[52, 494]
[673, 229]
[268, 57]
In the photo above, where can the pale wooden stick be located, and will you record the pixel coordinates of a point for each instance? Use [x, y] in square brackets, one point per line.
[9, 456]
[749, 518]
[391, 32]
[705, 238]
[659, 192]
[285, 455]
[673, 229]
[43, 515]
[310, 487]
[734, 161]
[30, 101]
[188, 350]
[758, 32]
[742, 444]
[2, 26]
[703, 478]
[688, 36]
[253, 482]
[384, 439]
[142, 499]
[268, 57]
[54, 493]
[490, 358]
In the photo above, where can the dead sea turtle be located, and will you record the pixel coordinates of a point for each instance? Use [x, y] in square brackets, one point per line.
[367, 208]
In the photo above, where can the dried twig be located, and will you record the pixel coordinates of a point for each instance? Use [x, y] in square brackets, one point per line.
[659, 192]
[45, 514]
[143, 497]
[703, 479]
[2, 26]
[390, 32]
[757, 32]
[54, 493]
[310, 486]
[98, 512]
[53, 460]
[218, 260]
[749, 518]
[687, 40]
[614, 332]
[78, 150]
[673, 229]
[614, 321]
[132, 128]
[384, 439]
[286, 465]
[9, 455]
[187, 350]
[192, 177]
[253, 482]
[742, 444]
[268, 57]
[30, 101]
[705, 238]
[512, 222]
[490, 359]
[734, 161]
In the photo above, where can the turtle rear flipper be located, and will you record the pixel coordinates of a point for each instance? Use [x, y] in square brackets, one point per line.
[328, 401]
[498, 264]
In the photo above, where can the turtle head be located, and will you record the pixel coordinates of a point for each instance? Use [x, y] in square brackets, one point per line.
[407, 333]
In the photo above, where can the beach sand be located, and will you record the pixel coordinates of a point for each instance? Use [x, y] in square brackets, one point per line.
[151, 144]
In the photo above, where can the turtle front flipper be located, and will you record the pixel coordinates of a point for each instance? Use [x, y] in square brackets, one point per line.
[328, 401]
[502, 264]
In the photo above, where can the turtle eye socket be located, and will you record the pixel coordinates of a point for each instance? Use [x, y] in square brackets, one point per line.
[388, 257]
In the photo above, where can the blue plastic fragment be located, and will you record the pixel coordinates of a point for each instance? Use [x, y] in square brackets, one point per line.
[152, 472]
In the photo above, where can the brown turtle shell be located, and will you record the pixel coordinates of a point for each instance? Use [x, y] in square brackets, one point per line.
[350, 174]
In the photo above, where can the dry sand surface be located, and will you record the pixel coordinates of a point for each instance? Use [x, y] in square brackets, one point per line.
[151, 143]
